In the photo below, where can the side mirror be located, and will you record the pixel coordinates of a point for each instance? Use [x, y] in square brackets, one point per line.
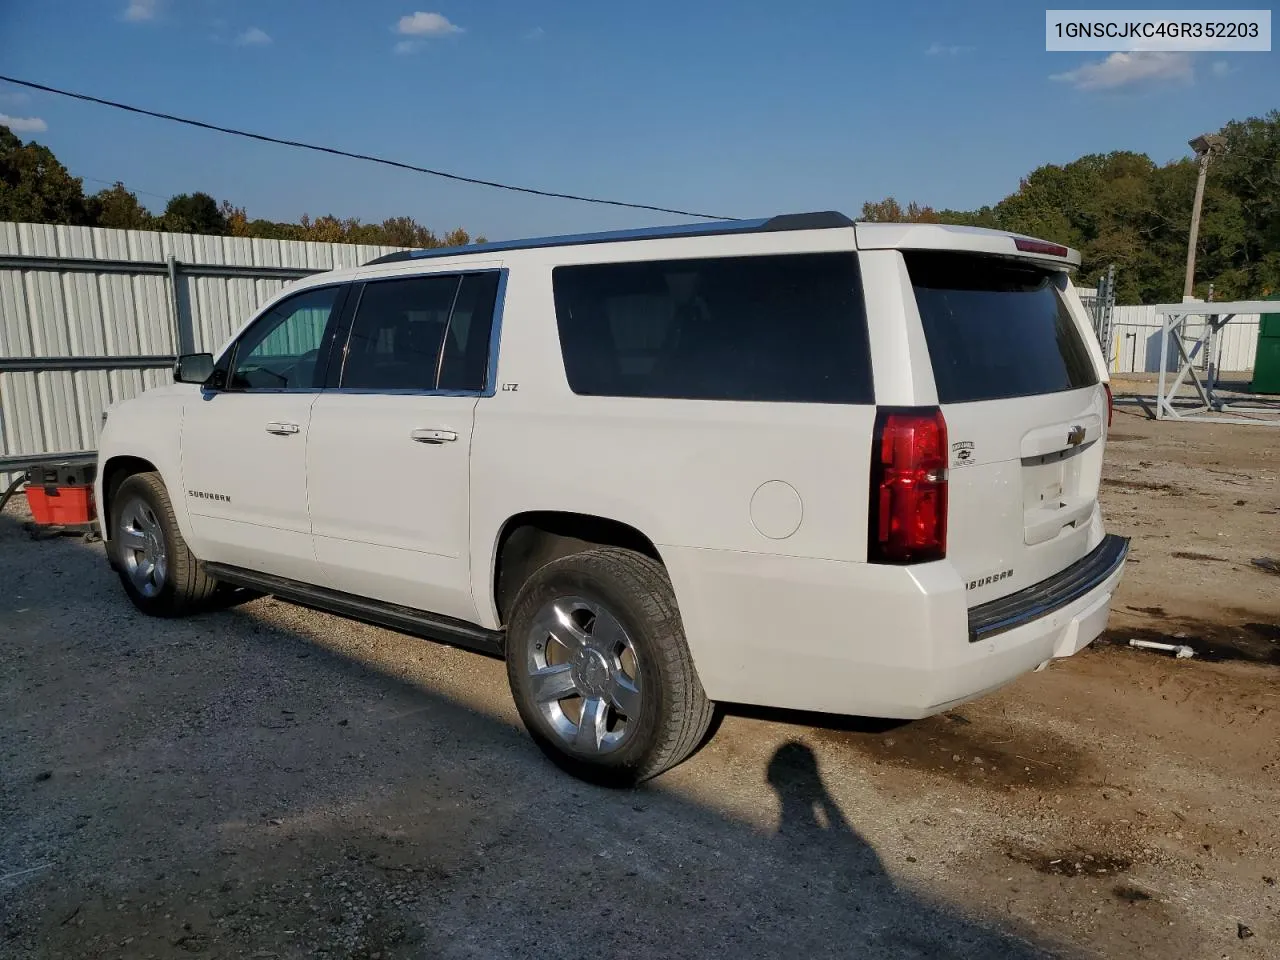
[193, 368]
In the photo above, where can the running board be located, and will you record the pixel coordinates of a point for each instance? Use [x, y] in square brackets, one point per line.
[391, 615]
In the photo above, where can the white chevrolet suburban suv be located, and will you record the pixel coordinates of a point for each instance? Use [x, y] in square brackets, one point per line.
[799, 462]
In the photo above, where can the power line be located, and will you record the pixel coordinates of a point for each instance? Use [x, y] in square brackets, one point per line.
[357, 156]
[112, 183]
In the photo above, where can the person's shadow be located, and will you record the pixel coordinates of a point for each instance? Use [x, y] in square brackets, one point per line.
[809, 815]
[807, 808]
[847, 876]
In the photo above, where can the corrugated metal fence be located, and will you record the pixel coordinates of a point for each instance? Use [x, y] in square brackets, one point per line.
[89, 317]
[1136, 338]
[1135, 345]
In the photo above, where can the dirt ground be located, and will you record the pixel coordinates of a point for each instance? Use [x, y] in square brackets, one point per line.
[269, 781]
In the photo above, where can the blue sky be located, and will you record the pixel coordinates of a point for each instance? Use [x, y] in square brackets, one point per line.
[742, 109]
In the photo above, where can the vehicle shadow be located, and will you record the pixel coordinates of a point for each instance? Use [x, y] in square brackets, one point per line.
[809, 718]
[267, 780]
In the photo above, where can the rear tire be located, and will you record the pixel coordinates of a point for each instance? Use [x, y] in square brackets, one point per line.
[160, 574]
[600, 670]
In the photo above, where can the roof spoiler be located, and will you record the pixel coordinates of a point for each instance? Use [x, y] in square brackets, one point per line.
[940, 236]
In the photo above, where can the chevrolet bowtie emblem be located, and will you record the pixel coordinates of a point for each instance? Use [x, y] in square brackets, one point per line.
[1075, 436]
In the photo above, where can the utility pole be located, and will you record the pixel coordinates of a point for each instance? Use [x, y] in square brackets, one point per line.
[1204, 146]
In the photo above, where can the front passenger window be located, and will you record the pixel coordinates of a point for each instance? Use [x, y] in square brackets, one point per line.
[281, 350]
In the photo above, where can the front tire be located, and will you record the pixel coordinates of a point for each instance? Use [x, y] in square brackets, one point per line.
[159, 573]
[600, 670]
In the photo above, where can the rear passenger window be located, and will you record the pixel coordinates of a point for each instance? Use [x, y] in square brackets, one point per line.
[771, 328]
[465, 363]
[997, 329]
[397, 333]
[422, 333]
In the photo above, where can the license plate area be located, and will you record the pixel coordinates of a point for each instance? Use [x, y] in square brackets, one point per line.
[1053, 494]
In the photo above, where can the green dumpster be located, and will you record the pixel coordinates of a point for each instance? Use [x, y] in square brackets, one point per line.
[1266, 366]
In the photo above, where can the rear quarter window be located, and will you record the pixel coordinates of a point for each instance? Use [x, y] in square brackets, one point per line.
[997, 329]
[766, 328]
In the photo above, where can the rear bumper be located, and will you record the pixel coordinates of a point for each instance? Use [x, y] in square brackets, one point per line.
[854, 638]
[1043, 598]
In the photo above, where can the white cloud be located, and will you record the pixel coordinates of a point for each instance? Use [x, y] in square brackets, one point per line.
[405, 46]
[253, 37]
[1220, 68]
[1130, 69]
[537, 33]
[141, 10]
[426, 25]
[1186, 44]
[23, 124]
[937, 49]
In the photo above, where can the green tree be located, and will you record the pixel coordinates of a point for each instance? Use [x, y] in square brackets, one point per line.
[117, 207]
[271, 230]
[1044, 203]
[406, 232]
[889, 210]
[326, 229]
[36, 187]
[1121, 208]
[1249, 170]
[237, 219]
[982, 217]
[194, 213]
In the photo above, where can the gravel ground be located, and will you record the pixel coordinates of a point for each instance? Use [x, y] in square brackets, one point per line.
[270, 781]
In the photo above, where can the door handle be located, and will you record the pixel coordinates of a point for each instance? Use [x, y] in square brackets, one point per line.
[282, 429]
[433, 436]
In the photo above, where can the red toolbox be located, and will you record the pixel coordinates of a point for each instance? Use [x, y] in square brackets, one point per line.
[61, 494]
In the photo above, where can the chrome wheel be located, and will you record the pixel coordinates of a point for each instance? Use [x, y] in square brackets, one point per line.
[584, 675]
[142, 547]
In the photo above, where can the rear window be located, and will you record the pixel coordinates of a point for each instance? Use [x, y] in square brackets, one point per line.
[997, 329]
[770, 328]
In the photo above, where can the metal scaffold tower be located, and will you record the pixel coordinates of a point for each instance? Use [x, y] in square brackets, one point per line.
[1211, 402]
[1104, 309]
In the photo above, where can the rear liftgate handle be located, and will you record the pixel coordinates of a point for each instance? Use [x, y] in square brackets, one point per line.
[433, 436]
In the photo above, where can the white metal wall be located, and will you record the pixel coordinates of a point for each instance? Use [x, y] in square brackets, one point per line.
[79, 313]
[1135, 346]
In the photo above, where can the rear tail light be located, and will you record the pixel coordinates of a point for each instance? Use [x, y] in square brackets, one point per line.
[1111, 404]
[908, 521]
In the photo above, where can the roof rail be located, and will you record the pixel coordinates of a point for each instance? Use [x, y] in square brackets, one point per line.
[826, 220]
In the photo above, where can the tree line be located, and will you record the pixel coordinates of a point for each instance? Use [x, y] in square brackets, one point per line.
[36, 188]
[1122, 208]
[1116, 208]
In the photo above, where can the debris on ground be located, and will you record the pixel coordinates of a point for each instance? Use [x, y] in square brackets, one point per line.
[1269, 564]
[1180, 650]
